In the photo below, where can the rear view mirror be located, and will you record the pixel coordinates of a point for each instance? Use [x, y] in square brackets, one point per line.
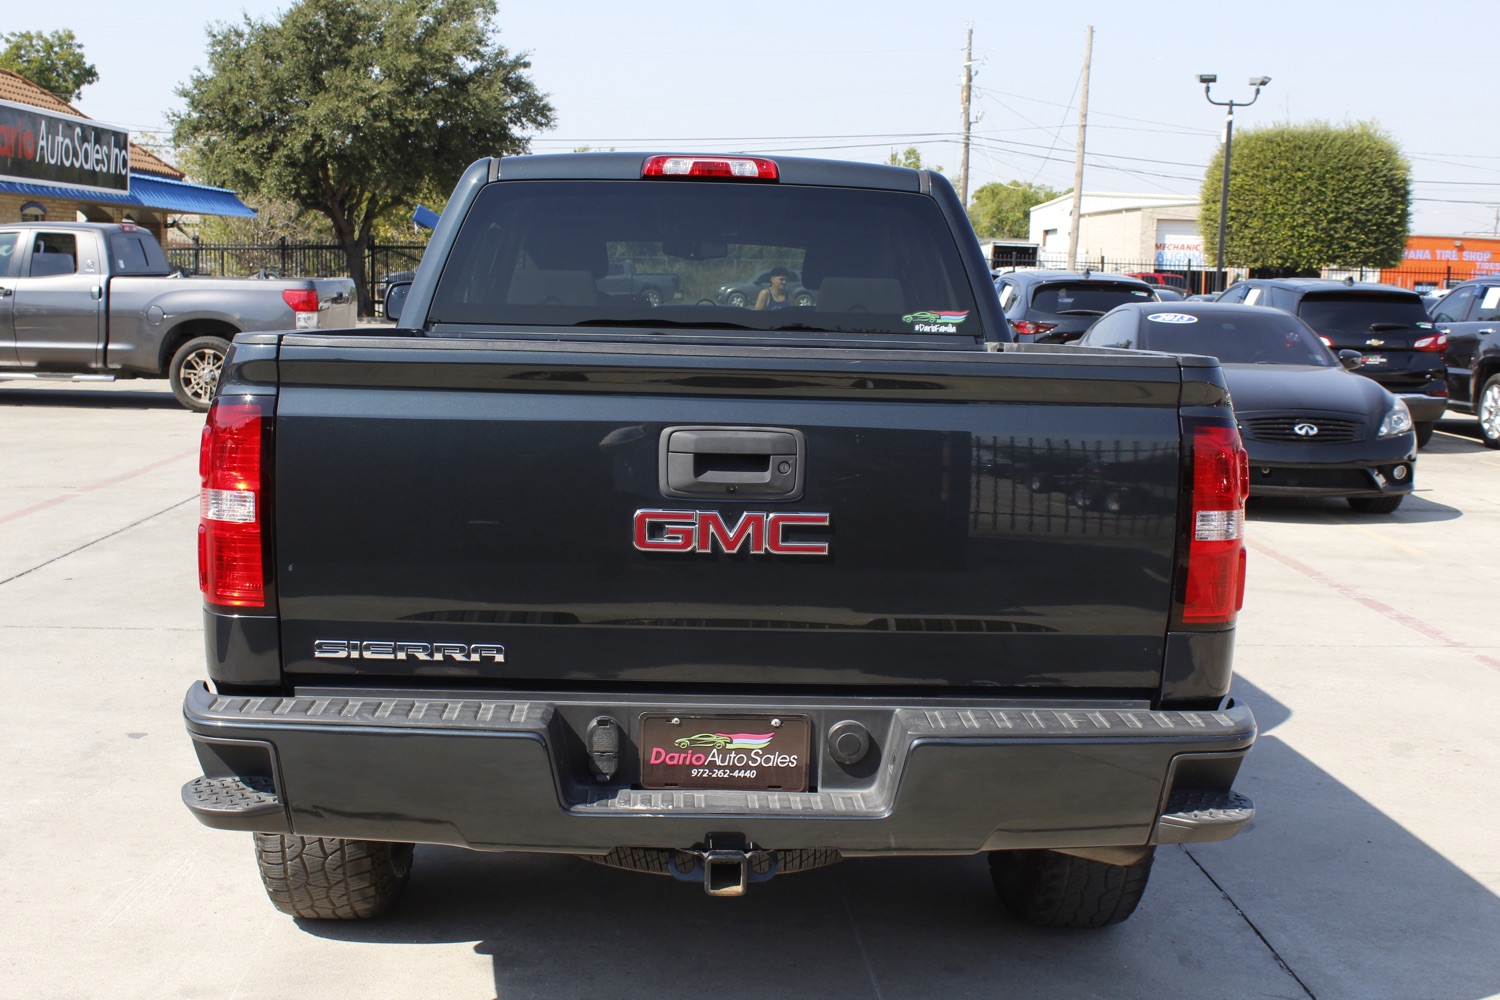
[1351, 359]
[395, 299]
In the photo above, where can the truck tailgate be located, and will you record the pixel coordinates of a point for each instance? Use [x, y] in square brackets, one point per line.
[470, 510]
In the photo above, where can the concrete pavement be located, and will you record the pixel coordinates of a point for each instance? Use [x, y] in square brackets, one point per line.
[1368, 649]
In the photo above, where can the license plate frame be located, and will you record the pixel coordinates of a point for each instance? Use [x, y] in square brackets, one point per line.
[725, 752]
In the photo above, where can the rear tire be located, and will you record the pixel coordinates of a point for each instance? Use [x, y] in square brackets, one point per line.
[195, 370]
[1048, 889]
[1424, 433]
[736, 299]
[1488, 412]
[325, 878]
[651, 297]
[1376, 505]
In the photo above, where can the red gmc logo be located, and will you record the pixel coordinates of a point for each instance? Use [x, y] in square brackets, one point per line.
[698, 530]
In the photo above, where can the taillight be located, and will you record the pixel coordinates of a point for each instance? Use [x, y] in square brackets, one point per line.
[1436, 342]
[1027, 328]
[301, 299]
[1216, 545]
[231, 541]
[739, 168]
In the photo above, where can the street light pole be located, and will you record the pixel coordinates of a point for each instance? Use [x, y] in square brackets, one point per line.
[1208, 79]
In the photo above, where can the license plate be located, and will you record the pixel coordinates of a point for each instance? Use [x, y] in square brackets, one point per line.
[752, 752]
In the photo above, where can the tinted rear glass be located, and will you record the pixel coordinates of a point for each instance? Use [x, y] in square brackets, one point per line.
[1264, 337]
[1359, 313]
[1097, 298]
[539, 254]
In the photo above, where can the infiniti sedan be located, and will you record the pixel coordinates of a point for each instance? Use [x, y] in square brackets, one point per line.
[1311, 426]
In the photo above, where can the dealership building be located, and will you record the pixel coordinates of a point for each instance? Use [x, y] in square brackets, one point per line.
[1159, 230]
[58, 165]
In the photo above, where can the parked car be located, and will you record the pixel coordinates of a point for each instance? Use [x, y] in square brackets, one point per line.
[1161, 278]
[1388, 325]
[745, 293]
[96, 302]
[1468, 316]
[1055, 307]
[623, 281]
[1311, 426]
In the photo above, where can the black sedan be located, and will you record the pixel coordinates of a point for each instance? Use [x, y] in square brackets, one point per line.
[1311, 426]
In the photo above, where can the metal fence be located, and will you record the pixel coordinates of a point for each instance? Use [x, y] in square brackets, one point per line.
[287, 258]
[1195, 279]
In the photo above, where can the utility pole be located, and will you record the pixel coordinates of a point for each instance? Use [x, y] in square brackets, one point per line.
[1083, 121]
[965, 93]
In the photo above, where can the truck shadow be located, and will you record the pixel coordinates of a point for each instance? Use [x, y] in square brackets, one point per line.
[1415, 509]
[1323, 896]
[1456, 433]
[98, 399]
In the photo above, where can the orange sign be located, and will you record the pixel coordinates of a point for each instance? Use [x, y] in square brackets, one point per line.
[1441, 261]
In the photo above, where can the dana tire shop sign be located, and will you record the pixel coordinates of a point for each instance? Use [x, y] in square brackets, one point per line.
[39, 147]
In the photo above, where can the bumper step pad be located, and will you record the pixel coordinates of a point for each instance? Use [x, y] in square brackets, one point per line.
[232, 801]
[1197, 816]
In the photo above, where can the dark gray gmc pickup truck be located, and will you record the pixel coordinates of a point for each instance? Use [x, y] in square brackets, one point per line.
[710, 592]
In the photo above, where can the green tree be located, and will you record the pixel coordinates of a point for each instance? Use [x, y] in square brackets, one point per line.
[356, 109]
[911, 157]
[1304, 197]
[1004, 210]
[53, 61]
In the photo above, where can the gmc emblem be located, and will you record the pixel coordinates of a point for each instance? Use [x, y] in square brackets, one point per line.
[699, 530]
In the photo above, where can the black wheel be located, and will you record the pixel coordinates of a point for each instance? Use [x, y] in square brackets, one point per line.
[651, 296]
[1488, 412]
[1424, 433]
[736, 299]
[324, 878]
[1048, 889]
[1376, 505]
[195, 369]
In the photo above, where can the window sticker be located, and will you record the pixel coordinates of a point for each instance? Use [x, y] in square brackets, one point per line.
[1172, 318]
[935, 322]
[1491, 297]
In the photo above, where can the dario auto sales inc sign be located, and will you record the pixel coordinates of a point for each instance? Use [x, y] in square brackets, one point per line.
[40, 147]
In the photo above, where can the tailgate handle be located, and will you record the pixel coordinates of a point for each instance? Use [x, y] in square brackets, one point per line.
[743, 463]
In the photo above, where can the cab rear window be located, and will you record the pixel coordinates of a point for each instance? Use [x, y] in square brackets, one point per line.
[765, 258]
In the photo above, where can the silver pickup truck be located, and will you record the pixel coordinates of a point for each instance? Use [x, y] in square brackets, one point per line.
[98, 301]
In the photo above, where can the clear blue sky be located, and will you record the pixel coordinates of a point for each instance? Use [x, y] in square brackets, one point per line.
[858, 80]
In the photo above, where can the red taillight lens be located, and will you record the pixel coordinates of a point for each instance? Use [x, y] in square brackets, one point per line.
[1027, 328]
[302, 300]
[738, 168]
[1216, 544]
[1436, 342]
[230, 538]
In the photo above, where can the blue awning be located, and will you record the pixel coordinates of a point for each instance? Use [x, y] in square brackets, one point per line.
[148, 192]
[189, 199]
[57, 191]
